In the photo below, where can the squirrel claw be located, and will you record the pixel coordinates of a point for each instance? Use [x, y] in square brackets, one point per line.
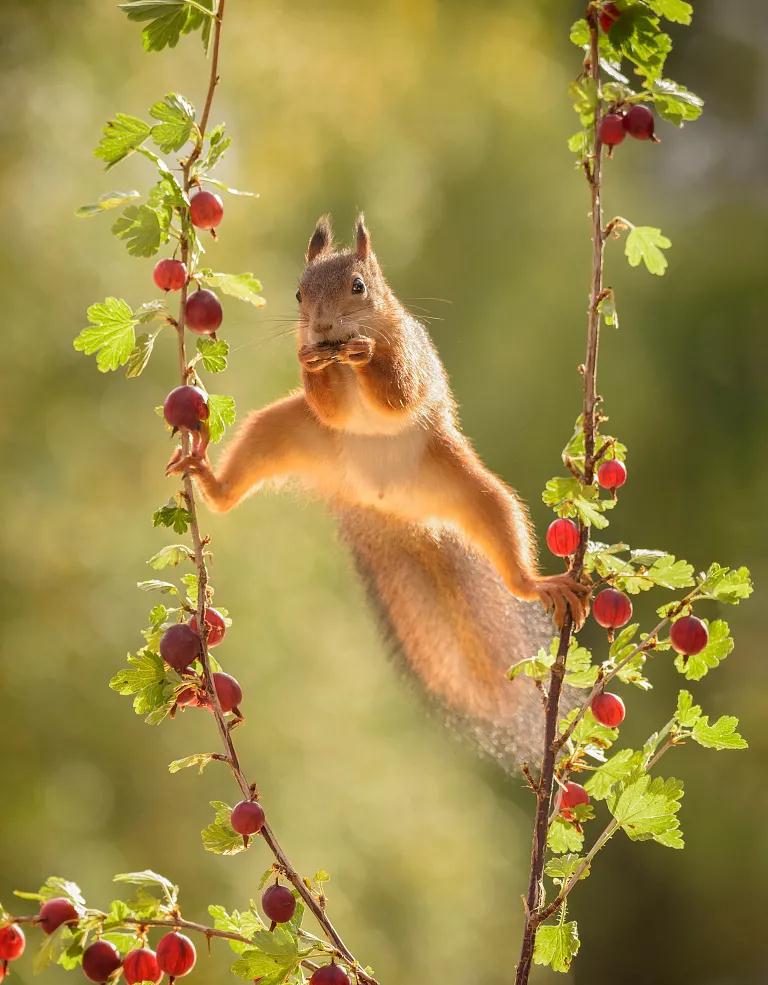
[180, 463]
[560, 594]
[315, 358]
[357, 351]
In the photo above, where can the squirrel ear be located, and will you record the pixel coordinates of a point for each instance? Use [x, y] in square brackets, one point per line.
[362, 239]
[321, 238]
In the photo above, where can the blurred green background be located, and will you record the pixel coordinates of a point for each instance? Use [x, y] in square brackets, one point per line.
[446, 122]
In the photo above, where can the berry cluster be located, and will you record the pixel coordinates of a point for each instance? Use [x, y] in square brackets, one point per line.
[637, 121]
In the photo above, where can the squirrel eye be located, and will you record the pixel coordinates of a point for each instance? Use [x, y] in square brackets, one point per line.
[298, 296]
[358, 285]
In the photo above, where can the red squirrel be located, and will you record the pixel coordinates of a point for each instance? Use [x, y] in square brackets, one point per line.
[440, 540]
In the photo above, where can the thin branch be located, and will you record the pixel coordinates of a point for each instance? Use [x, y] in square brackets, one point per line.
[534, 896]
[198, 542]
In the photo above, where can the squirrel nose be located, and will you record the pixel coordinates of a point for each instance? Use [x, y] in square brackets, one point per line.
[323, 327]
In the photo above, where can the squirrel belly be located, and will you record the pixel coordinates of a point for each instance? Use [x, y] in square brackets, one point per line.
[444, 546]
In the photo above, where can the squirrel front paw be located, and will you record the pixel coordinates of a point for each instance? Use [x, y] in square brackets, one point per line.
[315, 358]
[560, 593]
[357, 351]
[179, 463]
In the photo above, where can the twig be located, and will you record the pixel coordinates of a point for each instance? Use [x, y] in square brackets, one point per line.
[202, 569]
[590, 404]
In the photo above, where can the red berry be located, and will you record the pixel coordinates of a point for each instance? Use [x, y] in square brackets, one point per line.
[176, 954]
[612, 474]
[100, 961]
[216, 626]
[228, 690]
[608, 709]
[54, 912]
[562, 537]
[573, 795]
[206, 209]
[611, 130]
[612, 609]
[278, 903]
[185, 407]
[608, 16]
[248, 817]
[329, 974]
[689, 635]
[179, 646]
[141, 966]
[203, 313]
[12, 942]
[639, 123]
[170, 275]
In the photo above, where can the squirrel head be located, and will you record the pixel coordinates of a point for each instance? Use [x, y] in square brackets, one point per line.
[342, 293]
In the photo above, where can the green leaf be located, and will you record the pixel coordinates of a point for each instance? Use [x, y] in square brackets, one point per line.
[52, 948]
[111, 334]
[615, 770]
[171, 555]
[217, 145]
[246, 924]
[674, 10]
[120, 137]
[109, 200]
[647, 809]
[607, 309]
[564, 836]
[667, 572]
[580, 33]
[726, 584]
[556, 945]
[214, 354]
[177, 122]
[721, 734]
[266, 970]
[570, 497]
[584, 97]
[221, 415]
[245, 287]
[143, 228]
[57, 886]
[172, 515]
[718, 647]
[167, 21]
[140, 355]
[155, 585]
[687, 713]
[561, 868]
[149, 880]
[674, 102]
[590, 734]
[144, 677]
[220, 837]
[198, 759]
[645, 243]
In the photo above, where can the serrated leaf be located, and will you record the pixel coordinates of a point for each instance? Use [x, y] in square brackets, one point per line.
[221, 415]
[177, 122]
[719, 645]
[246, 924]
[667, 572]
[110, 335]
[647, 809]
[120, 137]
[151, 880]
[213, 354]
[721, 734]
[218, 143]
[556, 945]
[570, 497]
[51, 949]
[729, 585]
[109, 200]
[174, 516]
[687, 713]
[143, 229]
[674, 10]
[645, 244]
[198, 759]
[615, 770]
[171, 555]
[564, 836]
[674, 103]
[561, 868]
[167, 20]
[155, 585]
[219, 836]
[145, 679]
[256, 966]
[245, 287]
[140, 355]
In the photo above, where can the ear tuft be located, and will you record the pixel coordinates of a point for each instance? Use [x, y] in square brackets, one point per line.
[362, 239]
[321, 239]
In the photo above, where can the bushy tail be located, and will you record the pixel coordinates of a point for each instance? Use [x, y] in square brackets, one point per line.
[454, 626]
